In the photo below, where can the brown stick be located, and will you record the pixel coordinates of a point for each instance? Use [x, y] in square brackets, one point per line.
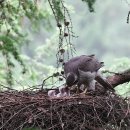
[119, 78]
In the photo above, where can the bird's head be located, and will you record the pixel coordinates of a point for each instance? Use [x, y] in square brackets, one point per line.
[71, 79]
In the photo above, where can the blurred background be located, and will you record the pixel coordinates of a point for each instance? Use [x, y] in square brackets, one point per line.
[104, 32]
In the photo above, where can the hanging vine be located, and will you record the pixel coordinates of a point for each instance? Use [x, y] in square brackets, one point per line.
[65, 46]
[64, 23]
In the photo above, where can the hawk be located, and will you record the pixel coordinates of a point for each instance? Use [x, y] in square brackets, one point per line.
[84, 70]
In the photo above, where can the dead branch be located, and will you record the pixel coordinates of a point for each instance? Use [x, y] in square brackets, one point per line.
[119, 78]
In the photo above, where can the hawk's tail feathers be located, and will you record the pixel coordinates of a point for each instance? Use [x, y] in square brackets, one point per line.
[104, 83]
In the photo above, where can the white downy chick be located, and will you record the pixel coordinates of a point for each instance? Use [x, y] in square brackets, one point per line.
[63, 91]
[52, 93]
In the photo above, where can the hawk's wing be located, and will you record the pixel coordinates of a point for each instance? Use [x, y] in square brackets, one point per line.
[72, 65]
[88, 63]
[84, 63]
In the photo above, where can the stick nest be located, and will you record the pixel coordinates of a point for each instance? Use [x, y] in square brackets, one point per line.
[35, 109]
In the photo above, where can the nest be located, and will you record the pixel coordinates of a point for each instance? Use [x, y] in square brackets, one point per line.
[20, 110]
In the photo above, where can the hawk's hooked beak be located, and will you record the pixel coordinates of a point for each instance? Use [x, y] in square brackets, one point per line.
[71, 79]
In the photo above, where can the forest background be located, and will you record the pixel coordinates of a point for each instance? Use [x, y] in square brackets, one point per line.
[103, 31]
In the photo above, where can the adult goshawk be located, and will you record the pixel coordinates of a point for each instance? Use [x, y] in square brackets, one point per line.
[84, 70]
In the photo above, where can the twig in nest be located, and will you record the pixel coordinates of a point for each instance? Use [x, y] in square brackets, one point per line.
[6, 87]
[43, 83]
